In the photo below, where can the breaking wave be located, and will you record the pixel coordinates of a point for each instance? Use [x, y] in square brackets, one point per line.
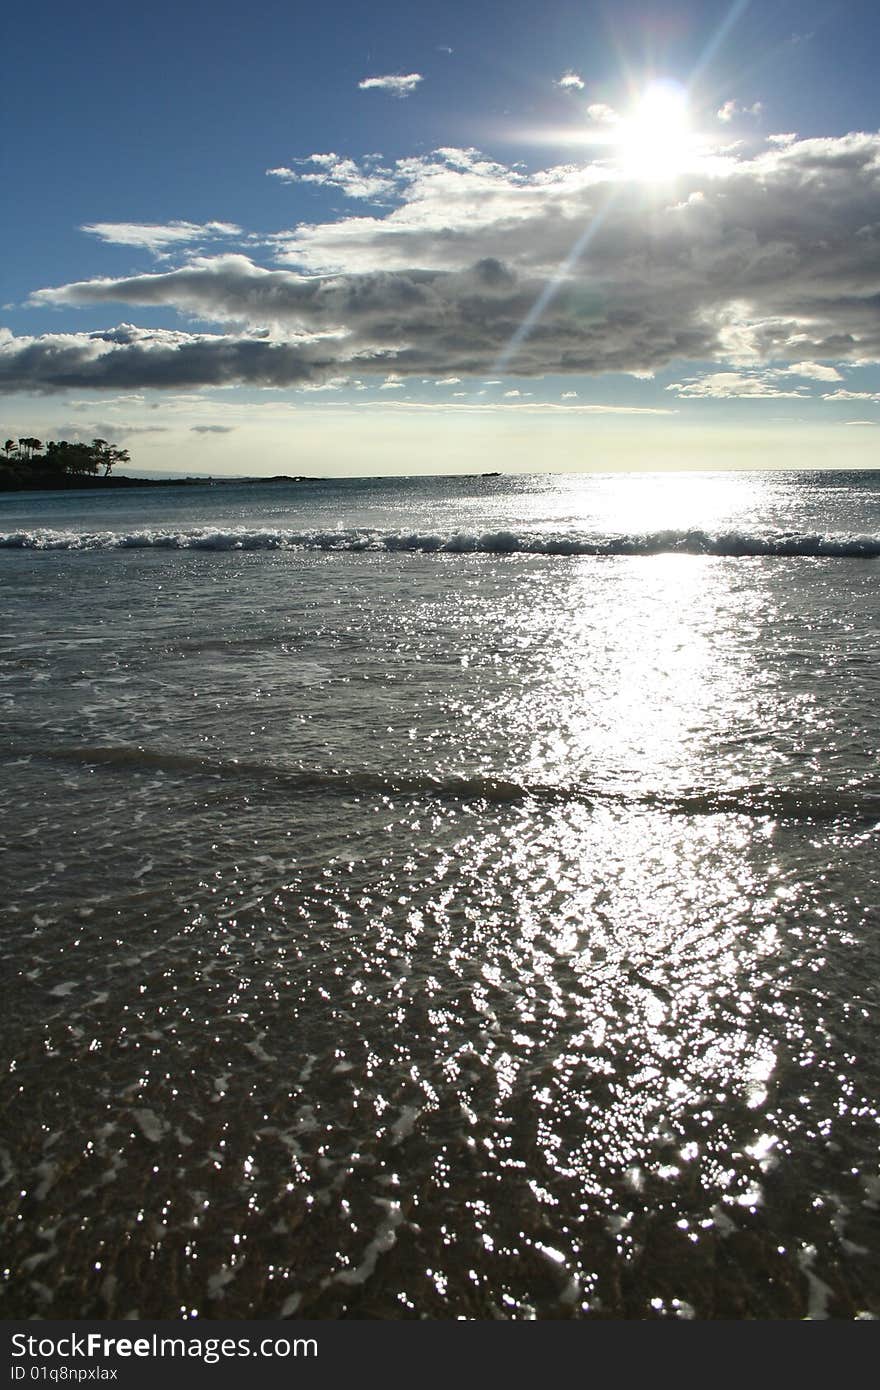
[675, 542]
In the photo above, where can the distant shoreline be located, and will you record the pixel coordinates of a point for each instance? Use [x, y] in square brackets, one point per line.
[90, 484]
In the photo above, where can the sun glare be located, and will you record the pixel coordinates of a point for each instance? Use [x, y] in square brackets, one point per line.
[655, 141]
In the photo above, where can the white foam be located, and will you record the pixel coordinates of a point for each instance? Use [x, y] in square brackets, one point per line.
[405, 1123]
[217, 1282]
[149, 1124]
[383, 1240]
[257, 1050]
[819, 1293]
[685, 542]
[48, 1174]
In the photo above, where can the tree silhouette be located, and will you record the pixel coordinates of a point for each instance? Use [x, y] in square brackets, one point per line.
[106, 455]
[27, 464]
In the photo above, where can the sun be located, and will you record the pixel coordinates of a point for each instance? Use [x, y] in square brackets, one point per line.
[655, 141]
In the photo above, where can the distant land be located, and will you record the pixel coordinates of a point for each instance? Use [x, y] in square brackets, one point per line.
[27, 466]
[121, 480]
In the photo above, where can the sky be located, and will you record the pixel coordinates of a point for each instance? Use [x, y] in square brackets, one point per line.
[369, 239]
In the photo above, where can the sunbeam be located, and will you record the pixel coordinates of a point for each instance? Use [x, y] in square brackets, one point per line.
[552, 287]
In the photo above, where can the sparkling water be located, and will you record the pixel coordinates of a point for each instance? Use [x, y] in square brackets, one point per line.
[449, 897]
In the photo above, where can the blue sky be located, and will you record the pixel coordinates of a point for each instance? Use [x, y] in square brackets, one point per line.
[396, 238]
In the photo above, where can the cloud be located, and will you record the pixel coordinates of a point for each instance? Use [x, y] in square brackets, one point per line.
[332, 171]
[443, 323]
[852, 396]
[570, 81]
[212, 429]
[335, 383]
[730, 385]
[731, 109]
[816, 371]
[448, 381]
[568, 396]
[770, 261]
[524, 407]
[101, 429]
[160, 237]
[602, 114]
[127, 356]
[398, 86]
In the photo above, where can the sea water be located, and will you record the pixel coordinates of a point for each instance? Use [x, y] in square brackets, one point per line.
[446, 897]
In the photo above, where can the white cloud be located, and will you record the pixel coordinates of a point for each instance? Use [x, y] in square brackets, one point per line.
[816, 371]
[524, 407]
[852, 396]
[448, 381]
[570, 81]
[732, 109]
[602, 114]
[568, 396]
[160, 237]
[730, 385]
[398, 86]
[335, 383]
[332, 171]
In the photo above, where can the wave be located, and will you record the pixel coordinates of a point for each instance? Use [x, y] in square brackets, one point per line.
[734, 544]
[779, 803]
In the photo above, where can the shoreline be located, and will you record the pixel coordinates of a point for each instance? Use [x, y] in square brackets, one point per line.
[91, 484]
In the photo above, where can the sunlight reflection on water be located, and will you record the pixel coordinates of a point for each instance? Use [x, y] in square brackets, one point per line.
[519, 961]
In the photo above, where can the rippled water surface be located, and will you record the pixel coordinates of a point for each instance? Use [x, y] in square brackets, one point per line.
[455, 898]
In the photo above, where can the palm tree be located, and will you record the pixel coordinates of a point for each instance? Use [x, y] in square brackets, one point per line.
[27, 447]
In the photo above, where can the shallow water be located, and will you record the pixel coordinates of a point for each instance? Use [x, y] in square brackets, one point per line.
[403, 928]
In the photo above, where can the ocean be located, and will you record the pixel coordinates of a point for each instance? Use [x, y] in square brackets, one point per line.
[442, 898]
